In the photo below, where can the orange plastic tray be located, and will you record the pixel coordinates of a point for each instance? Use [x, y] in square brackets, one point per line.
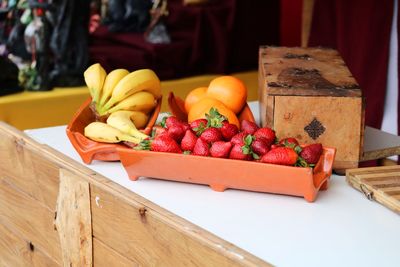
[221, 174]
[90, 150]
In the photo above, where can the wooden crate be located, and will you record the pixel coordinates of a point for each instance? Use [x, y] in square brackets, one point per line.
[309, 94]
[56, 212]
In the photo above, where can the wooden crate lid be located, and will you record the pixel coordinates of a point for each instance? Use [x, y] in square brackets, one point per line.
[306, 72]
[381, 184]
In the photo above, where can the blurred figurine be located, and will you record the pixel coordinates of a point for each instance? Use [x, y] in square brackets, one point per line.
[156, 32]
[128, 15]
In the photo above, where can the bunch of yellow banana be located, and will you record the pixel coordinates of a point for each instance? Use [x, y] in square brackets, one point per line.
[120, 90]
[119, 127]
[126, 98]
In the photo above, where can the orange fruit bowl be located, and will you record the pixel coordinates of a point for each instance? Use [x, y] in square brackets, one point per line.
[177, 107]
[221, 174]
[91, 150]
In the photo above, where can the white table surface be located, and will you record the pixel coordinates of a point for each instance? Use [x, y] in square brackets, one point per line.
[341, 228]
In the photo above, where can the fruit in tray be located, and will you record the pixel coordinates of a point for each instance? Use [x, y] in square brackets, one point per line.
[215, 136]
[225, 93]
[122, 102]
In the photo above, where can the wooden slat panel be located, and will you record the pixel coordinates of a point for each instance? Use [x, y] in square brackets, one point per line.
[14, 251]
[24, 166]
[104, 256]
[29, 218]
[73, 221]
[144, 236]
[382, 182]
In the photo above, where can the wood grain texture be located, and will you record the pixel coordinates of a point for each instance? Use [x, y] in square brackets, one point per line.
[73, 221]
[316, 72]
[29, 218]
[381, 183]
[32, 173]
[143, 235]
[342, 131]
[15, 251]
[105, 256]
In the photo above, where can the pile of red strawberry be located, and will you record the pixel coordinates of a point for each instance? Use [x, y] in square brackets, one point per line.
[216, 137]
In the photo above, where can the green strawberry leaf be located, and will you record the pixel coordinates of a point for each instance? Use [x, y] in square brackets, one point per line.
[143, 145]
[187, 152]
[200, 129]
[163, 122]
[298, 149]
[246, 150]
[255, 156]
[214, 118]
[301, 163]
[249, 139]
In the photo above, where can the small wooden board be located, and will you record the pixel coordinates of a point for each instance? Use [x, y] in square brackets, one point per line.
[381, 184]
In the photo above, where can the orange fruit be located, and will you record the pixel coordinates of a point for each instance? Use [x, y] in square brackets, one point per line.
[199, 110]
[194, 96]
[230, 91]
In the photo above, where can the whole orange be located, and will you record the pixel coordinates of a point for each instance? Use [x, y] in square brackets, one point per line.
[194, 96]
[229, 90]
[199, 110]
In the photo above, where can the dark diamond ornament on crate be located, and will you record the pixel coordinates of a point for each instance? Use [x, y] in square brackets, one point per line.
[314, 129]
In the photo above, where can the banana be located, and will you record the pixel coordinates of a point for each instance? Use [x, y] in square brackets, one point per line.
[140, 101]
[139, 118]
[110, 82]
[94, 78]
[102, 132]
[140, 80]
[121, 120]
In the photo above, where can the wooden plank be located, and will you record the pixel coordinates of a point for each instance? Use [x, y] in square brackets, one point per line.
[23, 165]
[15, 251]
[73, 221]
[379, 144]
[145, 235]
[104, 256]
[381, 184]
[29, 218]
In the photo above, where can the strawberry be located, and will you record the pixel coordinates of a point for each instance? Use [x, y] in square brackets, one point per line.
[170, 121]
[237, 153]
[211, 135]
[158, 130]
[161, 143]
[188, 140]
[238, 139]
[311, 153]
[248, 127]
[267, 134]
[176, 131]
[220, 149]
[259, 146]
[198, 126]
[201, 148]
[228, 130]
[289, 141]
[281, 156]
